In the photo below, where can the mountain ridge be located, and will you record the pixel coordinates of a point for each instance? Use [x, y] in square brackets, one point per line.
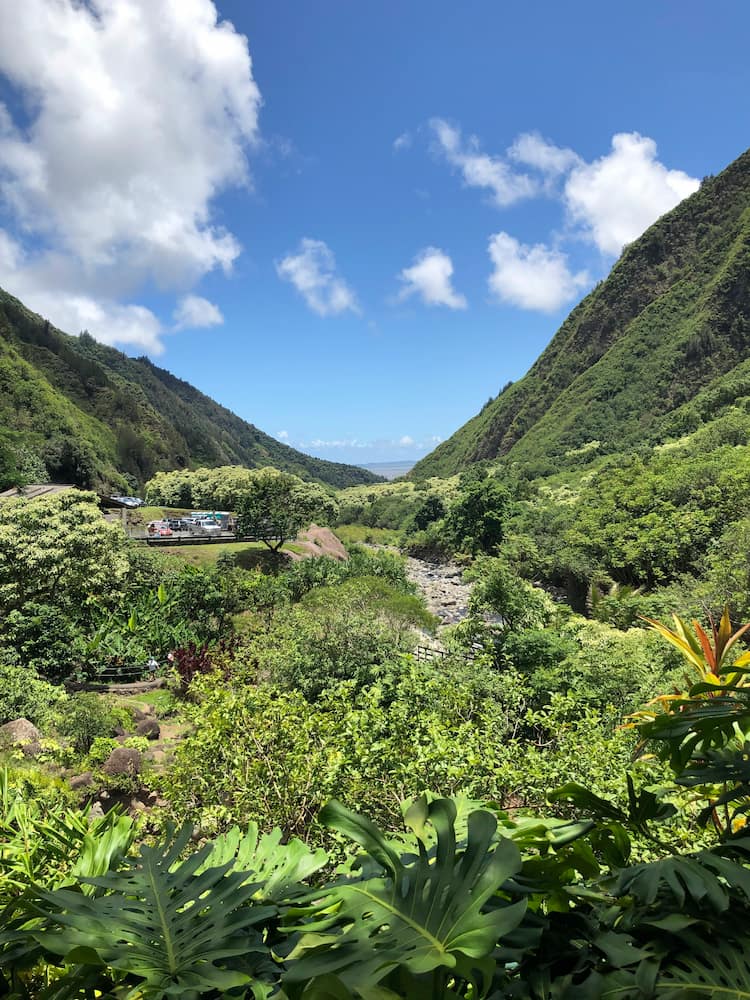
[90, 414]
[671, 318]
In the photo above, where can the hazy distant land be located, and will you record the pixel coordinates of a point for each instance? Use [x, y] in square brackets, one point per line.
[390, 470]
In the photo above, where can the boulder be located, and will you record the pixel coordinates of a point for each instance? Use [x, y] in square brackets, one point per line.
[96, 812]
[81, 780]
[123, 761]
[149, 728]
[19, 732]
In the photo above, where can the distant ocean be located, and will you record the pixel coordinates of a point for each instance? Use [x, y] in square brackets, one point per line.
[391, 470]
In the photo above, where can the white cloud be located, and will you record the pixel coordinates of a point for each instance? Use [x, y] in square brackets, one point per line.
[530, 148]
[479, 169]
[44, 286]
[532, 277]
[430, 278]
[140, 112]
[402, 141]
[312, 271]
[282, 435]
[194, 312]
[406, 441]
[611, 200]
[617, 197]
[340, 443]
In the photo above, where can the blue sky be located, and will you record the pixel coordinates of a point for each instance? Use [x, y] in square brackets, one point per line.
[350, 223]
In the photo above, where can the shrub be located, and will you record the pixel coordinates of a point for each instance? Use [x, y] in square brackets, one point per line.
[86, 715]
[23, 694]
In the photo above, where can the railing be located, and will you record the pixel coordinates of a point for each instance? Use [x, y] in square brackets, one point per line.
[112, 676]
[425, 654]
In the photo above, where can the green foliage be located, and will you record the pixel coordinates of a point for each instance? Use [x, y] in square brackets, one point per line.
[605, 667]
[303, 576]
[344, 632]
[501, 591]
[174, 932]
[476, 519]
[268, 753]
[46, 844]
[469, 903]
[24, 695]
[84, 717]
[59, 550]
[420, 925]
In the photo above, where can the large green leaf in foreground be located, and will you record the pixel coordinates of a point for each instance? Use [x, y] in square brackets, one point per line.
[425, 920]
[168, 927]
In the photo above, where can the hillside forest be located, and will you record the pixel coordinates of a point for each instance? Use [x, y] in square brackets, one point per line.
[316, 789]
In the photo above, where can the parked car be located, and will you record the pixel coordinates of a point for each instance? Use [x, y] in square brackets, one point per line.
[179, 524]
[210, 527]
[160, 528]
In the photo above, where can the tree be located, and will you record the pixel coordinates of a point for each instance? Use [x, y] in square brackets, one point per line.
[276, 505]
[476, 521]
[58, 550]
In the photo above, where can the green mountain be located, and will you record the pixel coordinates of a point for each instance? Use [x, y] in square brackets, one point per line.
[78, 411]
[655, 351]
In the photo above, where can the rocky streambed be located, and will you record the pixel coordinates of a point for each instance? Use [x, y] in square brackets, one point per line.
[446, 594]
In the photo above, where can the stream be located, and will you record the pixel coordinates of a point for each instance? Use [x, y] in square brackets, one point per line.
[446, 594]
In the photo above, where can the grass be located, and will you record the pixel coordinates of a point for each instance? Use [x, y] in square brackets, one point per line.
[248, 555]
[352, 533]
[161, 700]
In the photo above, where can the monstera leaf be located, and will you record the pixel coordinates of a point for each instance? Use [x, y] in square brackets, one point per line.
[722, 973]
[277, 869]
[157, 920]
[428, 920]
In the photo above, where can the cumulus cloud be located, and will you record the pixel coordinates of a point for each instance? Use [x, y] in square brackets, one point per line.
[282, 435]
[479, 169]
[532, 277]
[402, 141]
[312, 271]
[406, 441]
[618, 196]
[194, 312]
[429, 277]
[44, 285]
[140, 113]
[608, 202]
[533, 150]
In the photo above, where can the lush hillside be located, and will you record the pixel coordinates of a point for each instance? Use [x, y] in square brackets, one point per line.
[670, 322]
[91, 415]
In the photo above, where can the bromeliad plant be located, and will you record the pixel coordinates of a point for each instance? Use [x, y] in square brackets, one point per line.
[708, 654]
[703, 732]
